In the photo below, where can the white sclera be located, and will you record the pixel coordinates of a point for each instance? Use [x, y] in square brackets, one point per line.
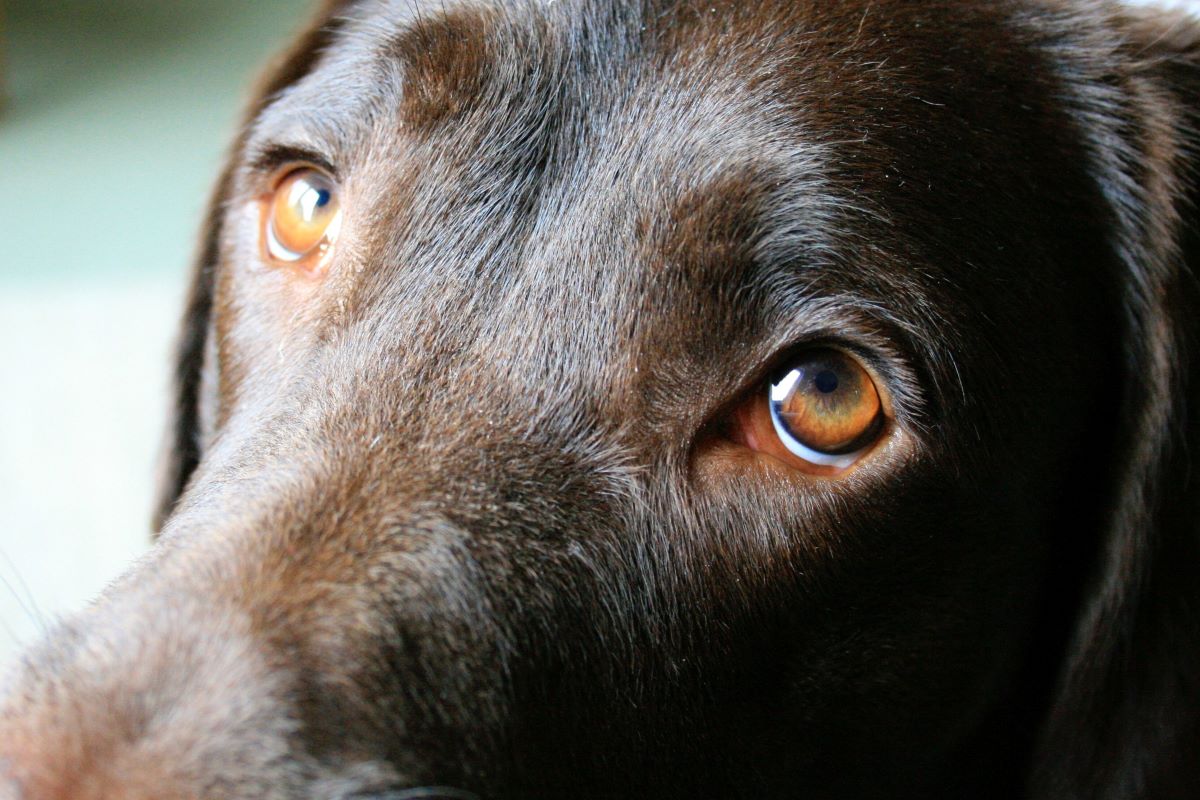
[276, 248]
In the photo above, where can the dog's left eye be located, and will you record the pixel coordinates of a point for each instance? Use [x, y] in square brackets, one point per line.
[301, 217]
[820, 415]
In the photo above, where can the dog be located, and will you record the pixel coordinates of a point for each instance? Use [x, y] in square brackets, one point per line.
[598, 398]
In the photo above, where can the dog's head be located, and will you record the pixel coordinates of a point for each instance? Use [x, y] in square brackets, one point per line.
[672, 399]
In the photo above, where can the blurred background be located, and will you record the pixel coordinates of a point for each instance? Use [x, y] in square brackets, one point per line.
[115, 118]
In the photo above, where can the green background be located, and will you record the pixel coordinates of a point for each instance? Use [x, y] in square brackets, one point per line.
[116, 116]
[117, 113]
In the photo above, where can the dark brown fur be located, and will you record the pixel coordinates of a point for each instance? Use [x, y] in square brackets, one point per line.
[464, 511]
[446, 60]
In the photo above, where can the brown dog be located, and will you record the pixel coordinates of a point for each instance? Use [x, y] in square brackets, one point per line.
[673, 399]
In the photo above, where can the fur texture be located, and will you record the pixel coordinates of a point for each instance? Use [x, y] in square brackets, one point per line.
[463, 511]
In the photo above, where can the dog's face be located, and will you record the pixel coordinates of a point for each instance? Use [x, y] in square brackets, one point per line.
[669, 399]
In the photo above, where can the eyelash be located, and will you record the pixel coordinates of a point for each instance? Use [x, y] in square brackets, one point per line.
[268, 161]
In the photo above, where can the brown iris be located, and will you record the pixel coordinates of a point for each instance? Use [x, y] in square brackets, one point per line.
[302, 217]
[820, 414]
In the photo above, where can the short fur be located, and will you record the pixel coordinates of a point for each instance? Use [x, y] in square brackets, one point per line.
[464, 511]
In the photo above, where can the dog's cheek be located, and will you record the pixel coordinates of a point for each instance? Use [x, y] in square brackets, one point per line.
[265, 323]
[877, 613]
[935, 615]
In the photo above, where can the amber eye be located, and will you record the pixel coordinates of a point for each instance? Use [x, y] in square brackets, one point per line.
[820, 414]
[302, 216]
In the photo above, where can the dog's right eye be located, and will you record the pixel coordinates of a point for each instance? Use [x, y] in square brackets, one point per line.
[301, 217]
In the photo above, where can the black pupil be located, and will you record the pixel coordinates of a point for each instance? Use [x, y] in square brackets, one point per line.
[826, 381]
[322, 197]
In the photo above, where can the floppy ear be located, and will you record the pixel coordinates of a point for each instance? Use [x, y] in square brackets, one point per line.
[182, 447]
[1125, 717]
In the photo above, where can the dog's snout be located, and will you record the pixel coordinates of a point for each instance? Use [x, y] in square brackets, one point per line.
[140, 697]
[245, 659]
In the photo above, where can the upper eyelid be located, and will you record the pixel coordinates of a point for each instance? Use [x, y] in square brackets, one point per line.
[267, 159]
[884, 354]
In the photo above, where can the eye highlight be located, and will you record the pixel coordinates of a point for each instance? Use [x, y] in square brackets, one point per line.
[301, 217]
[820, 415]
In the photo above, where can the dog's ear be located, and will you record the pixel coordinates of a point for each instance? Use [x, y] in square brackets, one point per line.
[182, 447]
[1125, 716]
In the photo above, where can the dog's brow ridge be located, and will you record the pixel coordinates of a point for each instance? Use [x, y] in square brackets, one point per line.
[445, 59]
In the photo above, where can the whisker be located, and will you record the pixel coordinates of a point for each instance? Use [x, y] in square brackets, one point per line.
[21, 593]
